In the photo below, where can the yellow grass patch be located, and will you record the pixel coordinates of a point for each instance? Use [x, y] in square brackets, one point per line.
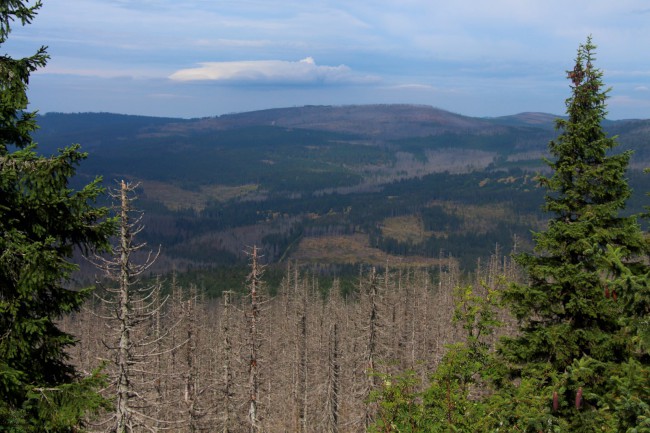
[174, 197]
[351, 249]
[407, 228]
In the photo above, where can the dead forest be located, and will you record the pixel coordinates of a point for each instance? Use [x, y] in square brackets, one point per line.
[304, 360]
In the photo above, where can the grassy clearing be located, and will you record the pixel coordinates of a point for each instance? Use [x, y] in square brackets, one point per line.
[354, 249]
[174, 197]
[407, 228]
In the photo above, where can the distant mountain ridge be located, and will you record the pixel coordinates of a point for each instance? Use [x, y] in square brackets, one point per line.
[414, 129]
[534, 119]
[378, 124]
[380, 121]
[385, 121]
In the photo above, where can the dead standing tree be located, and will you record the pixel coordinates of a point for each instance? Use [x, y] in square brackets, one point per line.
[300, 356]
[254, 341]
[132, 312]
[227, 403]
[333, 313]
[191, 394]
[372, 343]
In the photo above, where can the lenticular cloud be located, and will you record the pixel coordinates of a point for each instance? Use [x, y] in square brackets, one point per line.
[305, 71]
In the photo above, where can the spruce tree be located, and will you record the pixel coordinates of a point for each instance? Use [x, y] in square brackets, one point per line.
[42, 223]
[573, 327]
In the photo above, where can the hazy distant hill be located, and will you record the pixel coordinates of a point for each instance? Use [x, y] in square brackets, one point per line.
[402, 180]
[538, 120]
[384, 122]
[380, 122]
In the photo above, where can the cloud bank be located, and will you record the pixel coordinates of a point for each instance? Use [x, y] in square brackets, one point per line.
[305, 71]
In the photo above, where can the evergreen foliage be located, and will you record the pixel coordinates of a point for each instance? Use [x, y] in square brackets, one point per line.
[449, 404]
[576, 312]
[42, 223]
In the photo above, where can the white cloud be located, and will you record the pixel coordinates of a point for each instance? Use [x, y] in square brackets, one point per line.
[305, 71]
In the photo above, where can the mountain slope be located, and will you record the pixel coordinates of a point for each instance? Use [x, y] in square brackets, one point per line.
[371, 121]
[277, 177]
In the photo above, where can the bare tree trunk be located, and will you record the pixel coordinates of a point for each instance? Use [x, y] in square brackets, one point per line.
[254, 282]
[300, 390]
[371, 348]
[333, 313]
[158, 382]
[228, 391]
[190, 360]
[334, 380]
[122, 410]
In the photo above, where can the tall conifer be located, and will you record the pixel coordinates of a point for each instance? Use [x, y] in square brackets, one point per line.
[572, 319]
[42, 222]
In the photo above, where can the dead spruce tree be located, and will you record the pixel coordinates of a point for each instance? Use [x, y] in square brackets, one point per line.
[300, 296]
[254, 340]
[226, 397]
[370, 304]
[190, 377]
[333, 313]
[132, 309]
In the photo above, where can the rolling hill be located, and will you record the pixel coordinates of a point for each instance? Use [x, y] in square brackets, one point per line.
[344, 178]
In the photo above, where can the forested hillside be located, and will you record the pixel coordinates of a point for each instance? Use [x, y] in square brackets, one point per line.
[329, 186]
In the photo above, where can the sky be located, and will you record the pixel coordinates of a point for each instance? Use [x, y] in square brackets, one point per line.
[202, 58]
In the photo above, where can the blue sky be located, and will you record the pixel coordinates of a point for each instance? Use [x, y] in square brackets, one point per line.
[196, 58]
